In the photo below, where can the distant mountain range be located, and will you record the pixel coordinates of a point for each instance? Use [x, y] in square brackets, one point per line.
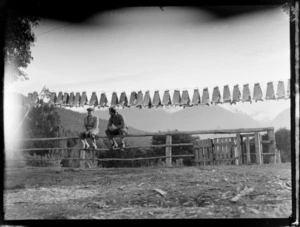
[195, 118]
[283, 120]
[191, 118]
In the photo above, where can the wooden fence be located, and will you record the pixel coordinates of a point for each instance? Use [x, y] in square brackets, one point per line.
[228, 149]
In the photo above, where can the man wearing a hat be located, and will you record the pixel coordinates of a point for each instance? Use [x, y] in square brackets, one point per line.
[91, 126]
[116, 120]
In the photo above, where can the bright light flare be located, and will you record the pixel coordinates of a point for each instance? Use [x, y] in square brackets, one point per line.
[13, 114]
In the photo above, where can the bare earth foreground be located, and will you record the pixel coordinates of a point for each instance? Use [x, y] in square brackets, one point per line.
[247, 191]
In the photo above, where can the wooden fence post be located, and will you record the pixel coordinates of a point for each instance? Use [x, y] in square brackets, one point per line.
[211, 151]
[243, 152]
[168, 151]
[82, 157]
[204, 153]
[261, 149]
[216, 151]
[248, 150]
[232, 150]
[272, 145]
[229, 150]
[278, 157]
[236, 152]
[258, 148]
[222, 150]
[238, 148]
[226, 151]
[196, 153]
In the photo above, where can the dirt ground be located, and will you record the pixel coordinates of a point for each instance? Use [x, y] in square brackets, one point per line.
[246, 191]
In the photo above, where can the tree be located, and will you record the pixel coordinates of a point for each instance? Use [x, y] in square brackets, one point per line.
[19, 39]
[42, 122]
[283, 143]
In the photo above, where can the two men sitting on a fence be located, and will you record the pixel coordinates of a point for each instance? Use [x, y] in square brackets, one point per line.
[115, 127]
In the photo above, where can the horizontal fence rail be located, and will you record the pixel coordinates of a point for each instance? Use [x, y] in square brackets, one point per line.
[197, 132]
[110, 159]
[105, 149]
[263, 141]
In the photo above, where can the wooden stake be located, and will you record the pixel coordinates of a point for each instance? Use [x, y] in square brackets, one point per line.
[168, 151]
[248, 150]
[257, 148]
[239, 148]
[278, 156]
[261, 149]
[272, 145]
[82, 156]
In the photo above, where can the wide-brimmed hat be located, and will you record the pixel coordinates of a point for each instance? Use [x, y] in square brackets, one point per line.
[90, 109]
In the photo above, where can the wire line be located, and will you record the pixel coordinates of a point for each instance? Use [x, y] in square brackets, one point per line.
[51, 30]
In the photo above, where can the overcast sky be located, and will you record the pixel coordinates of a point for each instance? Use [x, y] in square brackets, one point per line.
[147, 49]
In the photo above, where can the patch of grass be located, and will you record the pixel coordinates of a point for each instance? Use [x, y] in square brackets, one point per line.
[18, 186]
[39, 161]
